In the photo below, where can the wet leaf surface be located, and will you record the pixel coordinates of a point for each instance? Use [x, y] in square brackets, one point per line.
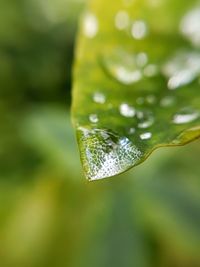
[136, 81]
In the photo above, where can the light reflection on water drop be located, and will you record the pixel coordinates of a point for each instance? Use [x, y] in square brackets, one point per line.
[126, 76]
[190, 26]
[90, 25]
[145, 136]
[122, 20]
[93, 118]
[185, 115]
[151, 99]
[140, 114]
[151, 70]
[167, 101]
[126, 110]
[146, 119]
[126, 68]
[131, 131]
[141, 59]
[182, 69]
[99, 98]
[139, 29]
[106, 154]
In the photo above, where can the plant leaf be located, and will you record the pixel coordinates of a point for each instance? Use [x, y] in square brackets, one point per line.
[136, 81]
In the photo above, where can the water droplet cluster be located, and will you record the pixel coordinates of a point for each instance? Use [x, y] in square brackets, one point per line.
[136, 70]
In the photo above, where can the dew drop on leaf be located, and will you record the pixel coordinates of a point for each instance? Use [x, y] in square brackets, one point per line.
[90, 25]
[93, 118]
[134, 82]
[126, 110]
[167, 101]
[122, 20]
[190, 26]
[107, 154]
[131, 131]
[141, 59]
[185, 115]
[146, 119]
[127, 68]
[182, 69]
[145, 136]
[150, 70]
[139, 29]
[99, 98]
[151, 99]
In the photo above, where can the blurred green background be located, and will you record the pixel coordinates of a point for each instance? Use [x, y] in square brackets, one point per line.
[49, 214]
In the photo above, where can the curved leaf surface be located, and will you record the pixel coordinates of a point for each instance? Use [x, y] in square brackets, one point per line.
[136, 81]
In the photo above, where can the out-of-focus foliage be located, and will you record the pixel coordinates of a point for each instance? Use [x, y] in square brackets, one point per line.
[36, 40]
[143, 66]
[49, 215]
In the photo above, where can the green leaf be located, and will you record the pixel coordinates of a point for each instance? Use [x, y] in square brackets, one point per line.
[136, 81]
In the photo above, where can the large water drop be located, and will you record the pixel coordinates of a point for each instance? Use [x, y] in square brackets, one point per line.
[105, 153]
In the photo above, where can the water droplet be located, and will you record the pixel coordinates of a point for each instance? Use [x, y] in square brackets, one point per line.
[140, 115]
[182, 69]
[186, 115]
[146, 136]
[190, 26]
[146, 119]
[108, 154]
[131, 131]
[150, 70]
[99, 98]
[90, 25]
[93, 118]
[141, 59]
[139, 30]
[151, 99]
[122, 20]
[125, 67]
[128, 77]
[182, 78]
[126, 110]
[167, 101]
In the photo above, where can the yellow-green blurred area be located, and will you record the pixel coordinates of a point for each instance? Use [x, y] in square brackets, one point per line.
[49, 215]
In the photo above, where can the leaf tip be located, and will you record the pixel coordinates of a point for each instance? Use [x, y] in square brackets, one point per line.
[105, 154]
